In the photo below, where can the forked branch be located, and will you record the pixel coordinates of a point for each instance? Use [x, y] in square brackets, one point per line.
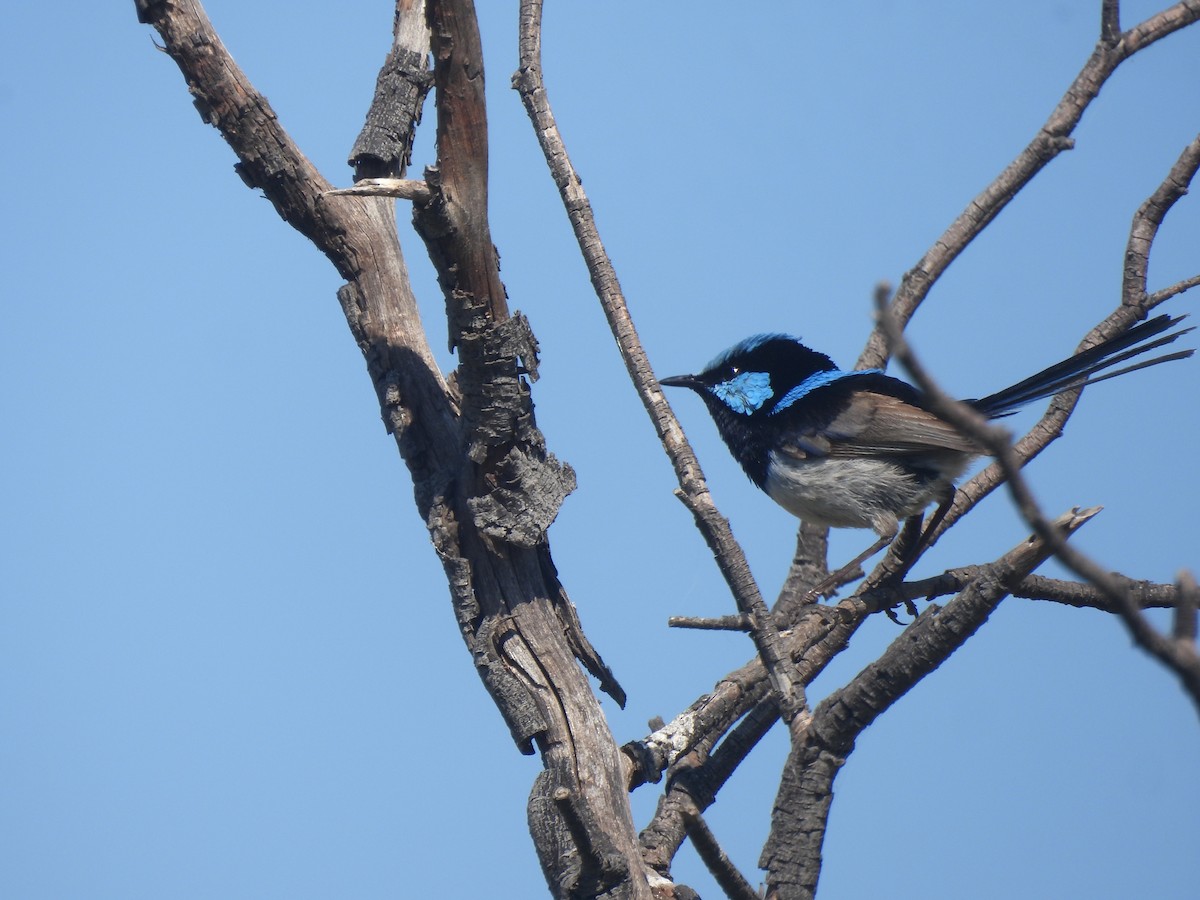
[1052, 139]
[1178, 655]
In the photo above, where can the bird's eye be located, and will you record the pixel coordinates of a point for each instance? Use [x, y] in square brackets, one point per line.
[733, 370]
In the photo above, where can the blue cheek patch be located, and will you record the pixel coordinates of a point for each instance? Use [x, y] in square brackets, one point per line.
[745, 392]
[815, 381]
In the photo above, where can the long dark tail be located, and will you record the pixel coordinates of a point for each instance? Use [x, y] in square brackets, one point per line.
[1082, 368]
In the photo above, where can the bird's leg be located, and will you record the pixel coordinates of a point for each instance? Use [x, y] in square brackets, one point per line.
[906, 549]
[934, 521]
[906, 556]
[846, 572]
[909, 550]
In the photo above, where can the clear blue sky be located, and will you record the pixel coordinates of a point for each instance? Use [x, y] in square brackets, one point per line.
[228, 665]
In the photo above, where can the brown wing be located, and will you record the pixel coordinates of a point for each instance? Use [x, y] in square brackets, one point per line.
[877, 423]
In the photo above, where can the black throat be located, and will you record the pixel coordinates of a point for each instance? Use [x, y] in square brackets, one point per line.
[747, 439]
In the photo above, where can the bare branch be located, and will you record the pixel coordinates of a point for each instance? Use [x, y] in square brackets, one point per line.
[1052, 139]
[485, 484]
[820, 634]
[1044, 432]
[735, 622]
[384, 146]
[809, 567]
[1173, 290]
[598, 865]
[693, 491]
[457, 231]
[1184, 629]
[995, 441]
[816, 638]
[1081, 595]
[400, 188]
[731, 881]
[792, 855]
[698, 726]
[695, 785]
[357, 235]
[696, 779]
[1146, 223]
[1110, 21]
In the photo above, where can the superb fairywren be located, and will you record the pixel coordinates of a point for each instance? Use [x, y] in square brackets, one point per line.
[861, 449]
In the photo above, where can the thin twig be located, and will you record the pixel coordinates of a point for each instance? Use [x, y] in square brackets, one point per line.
[1184, 626]
[1173, 290]
[1147, 221]
[813, 641]
[735, 622]
[730, 880]
[401, 188]
[693, 490]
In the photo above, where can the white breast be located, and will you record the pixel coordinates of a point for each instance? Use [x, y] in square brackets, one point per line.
[851, 493]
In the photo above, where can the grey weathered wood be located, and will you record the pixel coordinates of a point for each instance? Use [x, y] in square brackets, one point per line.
[463, 447]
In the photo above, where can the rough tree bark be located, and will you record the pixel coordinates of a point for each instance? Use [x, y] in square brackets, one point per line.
[488, 488]
[484, 482]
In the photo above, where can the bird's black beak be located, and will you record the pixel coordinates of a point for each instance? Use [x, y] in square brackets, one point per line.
[687, 381]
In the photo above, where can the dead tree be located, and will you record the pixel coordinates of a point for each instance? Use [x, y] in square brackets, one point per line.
[488, 488]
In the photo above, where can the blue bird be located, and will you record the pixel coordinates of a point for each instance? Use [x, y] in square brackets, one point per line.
[861, 449]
